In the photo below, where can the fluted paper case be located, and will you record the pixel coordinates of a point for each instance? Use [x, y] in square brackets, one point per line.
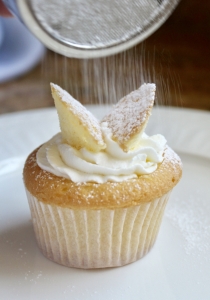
[96, 238]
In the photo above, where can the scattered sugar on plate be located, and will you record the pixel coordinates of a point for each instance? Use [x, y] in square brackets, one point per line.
[191, 218]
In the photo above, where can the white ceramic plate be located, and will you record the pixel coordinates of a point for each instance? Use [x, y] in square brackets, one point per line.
[178, 267]
[20, 51]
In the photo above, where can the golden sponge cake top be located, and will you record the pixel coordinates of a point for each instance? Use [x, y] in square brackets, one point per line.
[60, 191]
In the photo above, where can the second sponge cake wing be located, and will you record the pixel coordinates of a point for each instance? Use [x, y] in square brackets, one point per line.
[129, 116]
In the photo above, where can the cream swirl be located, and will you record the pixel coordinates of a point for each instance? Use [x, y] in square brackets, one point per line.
[110, 164]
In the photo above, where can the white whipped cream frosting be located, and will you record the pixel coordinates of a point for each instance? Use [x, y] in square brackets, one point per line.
[110, 164]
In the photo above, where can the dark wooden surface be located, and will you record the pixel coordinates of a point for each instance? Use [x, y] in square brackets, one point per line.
[176, 57]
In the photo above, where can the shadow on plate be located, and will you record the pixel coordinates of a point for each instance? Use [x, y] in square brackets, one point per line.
[18, 250]
[20, 255]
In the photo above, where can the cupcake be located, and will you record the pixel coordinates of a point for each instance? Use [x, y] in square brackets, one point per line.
[97, 190]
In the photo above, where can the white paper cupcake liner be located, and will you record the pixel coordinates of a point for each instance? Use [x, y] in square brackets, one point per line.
[96, 238]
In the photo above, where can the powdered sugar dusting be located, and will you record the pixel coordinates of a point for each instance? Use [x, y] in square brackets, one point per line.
[131, 112]
[68, 99]
[173, 158]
